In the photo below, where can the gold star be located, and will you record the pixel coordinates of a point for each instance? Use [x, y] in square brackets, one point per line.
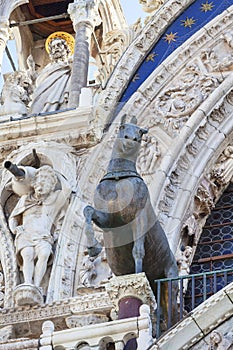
[207, 6]
[136, 77]
[188, 22]
[170, 37]
[151, 57]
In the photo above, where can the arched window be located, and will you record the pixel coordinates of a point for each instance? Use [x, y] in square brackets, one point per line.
[214, 251]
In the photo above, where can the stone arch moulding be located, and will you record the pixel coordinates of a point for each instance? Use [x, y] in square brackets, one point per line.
[201, 137]
[7, 6]
[174, 183]
[109, 101]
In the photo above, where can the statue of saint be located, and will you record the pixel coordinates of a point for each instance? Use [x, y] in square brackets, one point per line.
[32, 220]
[52, 83]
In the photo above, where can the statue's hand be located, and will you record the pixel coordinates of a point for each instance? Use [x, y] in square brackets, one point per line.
[31, 63]
[19, 230]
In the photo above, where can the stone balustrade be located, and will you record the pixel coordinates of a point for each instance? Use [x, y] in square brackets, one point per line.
[97, 335]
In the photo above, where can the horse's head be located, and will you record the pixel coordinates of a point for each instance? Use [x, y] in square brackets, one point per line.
[131, 130]
[129, 137]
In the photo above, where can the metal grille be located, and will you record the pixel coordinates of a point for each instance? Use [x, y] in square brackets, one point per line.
[214, 251]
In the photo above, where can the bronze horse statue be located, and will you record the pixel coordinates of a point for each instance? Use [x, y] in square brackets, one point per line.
[133, 237]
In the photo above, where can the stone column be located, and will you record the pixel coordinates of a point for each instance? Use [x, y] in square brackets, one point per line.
[84, 15]
[4, 36]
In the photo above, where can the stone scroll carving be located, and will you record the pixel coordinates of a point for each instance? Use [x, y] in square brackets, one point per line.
[172, 109]
[209, 190]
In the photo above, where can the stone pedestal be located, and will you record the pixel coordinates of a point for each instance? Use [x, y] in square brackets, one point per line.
[27, 294]
[127, 294]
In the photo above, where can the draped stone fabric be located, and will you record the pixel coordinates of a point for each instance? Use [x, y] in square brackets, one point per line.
[52, 88]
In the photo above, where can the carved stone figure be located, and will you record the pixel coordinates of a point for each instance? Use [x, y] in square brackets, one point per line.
[148, 156]
[150, 5]
[133, 236]
[16, 93]
[31, 222]
[184, 265]
[223, 171]
[176, 104]
[52, 84]
[220, 342]
[112, 48]
[87, 271]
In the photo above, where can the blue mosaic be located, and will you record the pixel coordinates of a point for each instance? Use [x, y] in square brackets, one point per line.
[188, 23]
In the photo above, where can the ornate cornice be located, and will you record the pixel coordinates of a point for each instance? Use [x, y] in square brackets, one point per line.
[72, 127]
[57, 312]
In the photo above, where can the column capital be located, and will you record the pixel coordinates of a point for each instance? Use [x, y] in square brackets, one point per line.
[4, 29]
[84, 12]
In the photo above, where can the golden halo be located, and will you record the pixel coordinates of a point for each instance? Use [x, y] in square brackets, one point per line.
[62, 35]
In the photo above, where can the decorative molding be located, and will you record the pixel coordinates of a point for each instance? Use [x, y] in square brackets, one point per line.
[27, 294]
[69, 127]
[58, 312]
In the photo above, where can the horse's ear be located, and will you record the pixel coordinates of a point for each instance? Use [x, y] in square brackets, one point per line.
[143, 131]
[123, 119]
[133, 120]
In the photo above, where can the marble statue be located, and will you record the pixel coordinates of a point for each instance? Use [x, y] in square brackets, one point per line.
[133, 237]
[224, 168]
[31, 222]
[151, 5]
[52, 83]
[16, 93]
[148, 156]
[87, 271]
[184, 266]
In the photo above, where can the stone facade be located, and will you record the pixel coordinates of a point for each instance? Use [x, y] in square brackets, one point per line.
[186, 161]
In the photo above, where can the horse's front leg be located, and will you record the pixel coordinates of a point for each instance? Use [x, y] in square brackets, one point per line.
[138, 227]
[93, 246]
